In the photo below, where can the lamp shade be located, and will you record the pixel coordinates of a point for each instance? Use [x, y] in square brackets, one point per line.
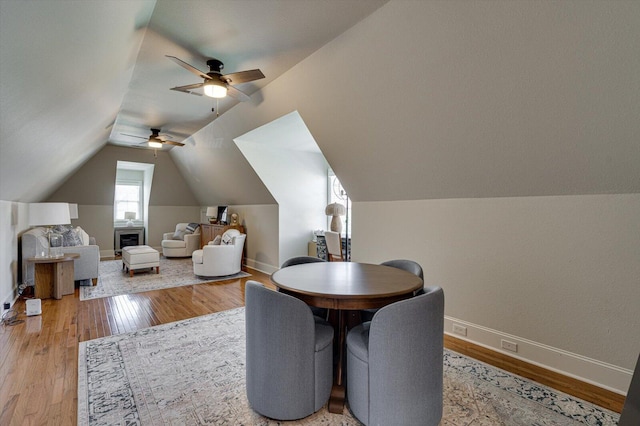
[130, 215]
[44, 214]
[335, 209]
[212, 211]
[73, 211]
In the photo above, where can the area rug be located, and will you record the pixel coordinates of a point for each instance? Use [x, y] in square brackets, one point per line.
[192, 372]
[113, 280]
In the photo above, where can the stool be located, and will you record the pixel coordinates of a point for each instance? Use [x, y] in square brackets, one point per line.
[139, 257]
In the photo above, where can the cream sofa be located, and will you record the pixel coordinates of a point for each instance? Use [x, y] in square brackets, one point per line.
[76, 240]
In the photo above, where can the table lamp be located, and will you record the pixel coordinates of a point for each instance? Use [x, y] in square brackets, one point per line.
[212, 214]
[49, 215]
[336, 210]
[73, 211]
[130, 217]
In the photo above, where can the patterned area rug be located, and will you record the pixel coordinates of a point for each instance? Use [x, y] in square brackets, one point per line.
[192, 373]
[114, 281]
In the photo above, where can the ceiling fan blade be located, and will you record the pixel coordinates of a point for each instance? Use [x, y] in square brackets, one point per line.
[135, 136]
[242, 76]
[237, 94]
[189, 88]
[188, 67]
[173, 143]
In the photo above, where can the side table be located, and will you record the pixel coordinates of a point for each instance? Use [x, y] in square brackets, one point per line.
[53, 275]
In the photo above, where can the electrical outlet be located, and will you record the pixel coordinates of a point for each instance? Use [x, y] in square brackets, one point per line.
[510, 346]
[7, 306]
[458, 329]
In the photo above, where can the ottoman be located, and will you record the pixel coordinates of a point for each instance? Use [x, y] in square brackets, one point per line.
[140, 257]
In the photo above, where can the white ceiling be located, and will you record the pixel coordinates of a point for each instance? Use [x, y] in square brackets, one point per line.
[75, 76]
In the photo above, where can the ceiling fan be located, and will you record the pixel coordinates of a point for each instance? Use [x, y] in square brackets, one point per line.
[216, 84]
[156, 140]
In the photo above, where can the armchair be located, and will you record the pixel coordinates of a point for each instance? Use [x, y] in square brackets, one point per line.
[182, 242]
[216, 260]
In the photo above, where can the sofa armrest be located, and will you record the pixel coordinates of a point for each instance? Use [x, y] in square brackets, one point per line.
[168, 235]
[86, 266]
[192, 241]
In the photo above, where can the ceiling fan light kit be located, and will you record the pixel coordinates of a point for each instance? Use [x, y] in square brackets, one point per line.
[155, 144]
[215, 88]
[216, 84]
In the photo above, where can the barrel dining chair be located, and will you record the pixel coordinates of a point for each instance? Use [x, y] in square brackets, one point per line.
[299, 260]
[404, 264]
[394, 363]
[289, 355]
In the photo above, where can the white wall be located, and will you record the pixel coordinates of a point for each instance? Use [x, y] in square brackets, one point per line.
[289, 162]
[261, 225]
[554, 273]
[13, 221]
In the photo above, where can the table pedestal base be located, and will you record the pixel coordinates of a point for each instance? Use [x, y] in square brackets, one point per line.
[336, 400]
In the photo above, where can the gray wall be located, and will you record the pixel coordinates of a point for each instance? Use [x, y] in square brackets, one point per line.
[92, 188]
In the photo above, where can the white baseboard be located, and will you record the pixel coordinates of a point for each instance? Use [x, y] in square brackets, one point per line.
[598, 373]
[259, 266]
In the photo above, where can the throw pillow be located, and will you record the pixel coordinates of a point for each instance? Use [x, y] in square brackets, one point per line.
[191, 228]
[179, 235]
[226, 239]
[216, 240]
[69, 236]
[83, 236]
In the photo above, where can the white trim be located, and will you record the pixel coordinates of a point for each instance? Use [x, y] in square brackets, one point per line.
[598, 373]
[259, 266]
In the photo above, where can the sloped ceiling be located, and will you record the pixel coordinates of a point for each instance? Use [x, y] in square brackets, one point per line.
[75, 76]
[406, 99]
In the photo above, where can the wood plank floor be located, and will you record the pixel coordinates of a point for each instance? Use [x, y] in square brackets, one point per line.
[39, 357]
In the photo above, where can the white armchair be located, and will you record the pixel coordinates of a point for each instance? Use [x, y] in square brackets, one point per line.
[217, 260]
[182, 242]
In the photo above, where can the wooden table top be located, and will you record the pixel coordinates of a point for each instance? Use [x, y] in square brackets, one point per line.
[346, 285]
[65, 257]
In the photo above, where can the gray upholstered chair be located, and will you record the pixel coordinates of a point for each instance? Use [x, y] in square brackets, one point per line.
[299, 260]
[394, 363]
[404, 264]
[289, 355]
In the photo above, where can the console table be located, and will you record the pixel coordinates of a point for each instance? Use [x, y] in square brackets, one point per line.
[53, 276]
[210, 231]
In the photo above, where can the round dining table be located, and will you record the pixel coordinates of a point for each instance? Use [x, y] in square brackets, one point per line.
[345, 287]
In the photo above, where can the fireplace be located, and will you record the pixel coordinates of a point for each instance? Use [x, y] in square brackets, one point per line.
[127, 236]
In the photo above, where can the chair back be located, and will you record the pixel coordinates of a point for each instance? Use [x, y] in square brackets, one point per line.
[405, 360]
[334, 246]
[280, 333]
[406, 265]
[299, 260]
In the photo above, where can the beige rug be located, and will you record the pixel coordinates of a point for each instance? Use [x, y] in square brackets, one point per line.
[192, 372]
[113, 280]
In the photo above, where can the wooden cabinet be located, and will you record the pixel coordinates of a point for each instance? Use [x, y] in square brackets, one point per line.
[209, 231]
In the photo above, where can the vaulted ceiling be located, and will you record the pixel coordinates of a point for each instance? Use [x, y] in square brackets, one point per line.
[75, 76]
[407, 100]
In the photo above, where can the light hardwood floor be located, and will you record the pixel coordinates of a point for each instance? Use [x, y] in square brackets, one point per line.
[39, 357]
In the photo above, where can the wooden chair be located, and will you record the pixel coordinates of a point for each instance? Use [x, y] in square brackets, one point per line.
[334, 246]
